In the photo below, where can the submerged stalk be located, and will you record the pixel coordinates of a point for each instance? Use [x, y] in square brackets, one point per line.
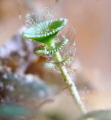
[70, 84]
[45, 32]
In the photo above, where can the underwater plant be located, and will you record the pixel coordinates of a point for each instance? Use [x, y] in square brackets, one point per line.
[45, 32]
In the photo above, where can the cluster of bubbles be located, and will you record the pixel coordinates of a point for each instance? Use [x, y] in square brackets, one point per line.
[69, 51]
[35, 18]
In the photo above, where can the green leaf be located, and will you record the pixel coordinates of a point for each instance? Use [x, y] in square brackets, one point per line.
[42, 50]
[45, 32]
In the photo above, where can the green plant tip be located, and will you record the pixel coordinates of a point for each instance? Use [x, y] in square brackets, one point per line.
[45, 32]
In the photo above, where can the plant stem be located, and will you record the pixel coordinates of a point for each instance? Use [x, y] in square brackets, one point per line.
[70, 84]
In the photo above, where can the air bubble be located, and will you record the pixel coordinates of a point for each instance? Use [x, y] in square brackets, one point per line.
[10, 87]
[20, 16]
[5, 76]
[74, 43]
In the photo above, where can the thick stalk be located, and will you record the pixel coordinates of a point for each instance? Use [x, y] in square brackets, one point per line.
[70, 84]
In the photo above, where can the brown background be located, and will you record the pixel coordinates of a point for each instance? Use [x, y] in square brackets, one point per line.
[92, 21]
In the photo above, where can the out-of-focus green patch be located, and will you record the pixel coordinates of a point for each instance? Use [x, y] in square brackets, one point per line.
[97, 115]
[8, 111]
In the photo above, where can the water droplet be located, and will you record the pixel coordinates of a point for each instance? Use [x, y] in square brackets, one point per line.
[5, 76]
[29, 78]
[16, 76]
[20, 16]
[74, 43]
[10, 87]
